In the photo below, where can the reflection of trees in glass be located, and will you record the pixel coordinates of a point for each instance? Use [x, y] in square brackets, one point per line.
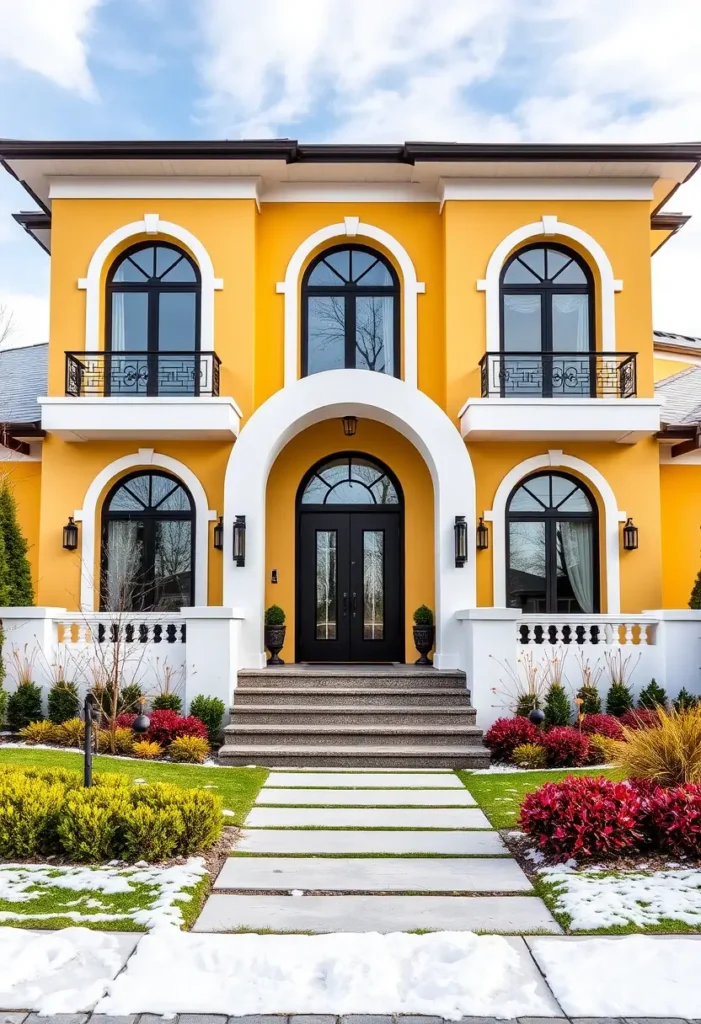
[373, 584]
[329, 326]
[326, 585]
[350, 481]
[172, 564]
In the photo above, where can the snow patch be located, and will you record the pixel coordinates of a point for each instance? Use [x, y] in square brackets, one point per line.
[502, 768]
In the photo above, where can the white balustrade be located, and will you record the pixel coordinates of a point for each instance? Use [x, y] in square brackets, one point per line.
[597, 630]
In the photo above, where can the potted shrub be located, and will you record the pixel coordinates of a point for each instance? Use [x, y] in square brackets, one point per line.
[275, 633]
[424, 632]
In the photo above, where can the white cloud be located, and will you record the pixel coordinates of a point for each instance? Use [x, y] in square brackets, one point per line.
[49, 38]
[30, 318]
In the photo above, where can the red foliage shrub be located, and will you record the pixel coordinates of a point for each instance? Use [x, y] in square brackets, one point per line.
[602, 725]
[167, 726]
[583, 817]
[508, 733]
[674, 819]
[640, 718]
[566, 747]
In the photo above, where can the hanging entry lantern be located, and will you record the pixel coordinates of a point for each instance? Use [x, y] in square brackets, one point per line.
[219, 534]
[240, 540]
[482, 536]
[630, 536]
[460, 542]
[350, 425]
[70, 535]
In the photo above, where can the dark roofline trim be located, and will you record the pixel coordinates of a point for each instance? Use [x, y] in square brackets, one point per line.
[672, 222]
[34, 220]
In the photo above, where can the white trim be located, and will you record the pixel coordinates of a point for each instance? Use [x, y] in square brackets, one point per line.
[623, 420]
[328, 396]
[93, 282]
[88, 516]
[172, 187]
[693, 359]
[545, 188]
[549, 225]
[410, 288]
[348, 192]
[141, 418]
[555, 459]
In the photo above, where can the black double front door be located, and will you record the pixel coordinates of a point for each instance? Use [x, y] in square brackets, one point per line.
[350, 586]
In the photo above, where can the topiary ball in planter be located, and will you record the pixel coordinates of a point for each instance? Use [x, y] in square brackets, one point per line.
[424, 633]
[274, 633]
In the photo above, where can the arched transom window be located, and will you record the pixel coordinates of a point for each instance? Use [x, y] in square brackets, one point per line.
[350, 480]
[148, 523]
[547, 307]
[153, 322]
[350, 312]
[552, 546]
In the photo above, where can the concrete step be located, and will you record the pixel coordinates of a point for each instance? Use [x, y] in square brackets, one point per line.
[448, 696]
[328, 677]
[278, 755]
[291, 735]
[294, 715]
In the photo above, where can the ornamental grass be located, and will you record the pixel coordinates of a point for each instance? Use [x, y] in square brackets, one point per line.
[668, 755]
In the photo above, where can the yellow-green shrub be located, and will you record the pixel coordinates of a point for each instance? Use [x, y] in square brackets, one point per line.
[66, 777]
[71, 733]
[147, 749]
[530, 755]
[668, 755]
[29, 813]
[603, 750]
[90, 821]
[150, 833]
[188, 748]
[202, 816]
[39, 732]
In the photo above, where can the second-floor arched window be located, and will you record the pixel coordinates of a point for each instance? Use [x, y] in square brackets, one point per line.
[350, 312]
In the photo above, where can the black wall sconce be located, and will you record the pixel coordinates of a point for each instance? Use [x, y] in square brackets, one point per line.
[350, 425]
[240, 540]
[70, 535]
[219, 534]
[460, 542]
[482, 536]
[630, 536]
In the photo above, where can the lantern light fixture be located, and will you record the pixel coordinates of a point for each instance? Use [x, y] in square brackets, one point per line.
[350, 425]
[70, 535]
[630, 536]
[240, 541]
[460, 542]
[482, 536]
[142, 722]
[219, 534]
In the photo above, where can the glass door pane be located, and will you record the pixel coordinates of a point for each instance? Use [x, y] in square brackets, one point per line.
[521, 375]
[572, 374]
[177, 331]
[575, 567]
[526, 578]
[123, 581]
[326, 585]
[374, 333]
[326, 332]
[128, 374]
[373, 585]
[172, 565]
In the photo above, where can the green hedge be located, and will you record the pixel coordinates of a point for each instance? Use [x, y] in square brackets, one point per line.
[47, 811]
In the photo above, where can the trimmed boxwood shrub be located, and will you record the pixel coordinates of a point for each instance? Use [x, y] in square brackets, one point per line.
[64, 702]
[209, 710]
[619, 699]
[591, 701]
[603, 725]
[506, 734]
[557, 706]
[167, 702]
[24, 706]
[652, 696]
[565, 747]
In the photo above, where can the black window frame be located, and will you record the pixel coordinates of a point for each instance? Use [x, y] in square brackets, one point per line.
[153, 289]
[551, 516]
[350, 292]
[151, 515]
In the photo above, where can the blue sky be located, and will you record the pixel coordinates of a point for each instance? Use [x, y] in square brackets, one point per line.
[370, 70]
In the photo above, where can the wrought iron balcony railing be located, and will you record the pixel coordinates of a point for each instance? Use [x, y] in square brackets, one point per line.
[134, 374]
[558, 375]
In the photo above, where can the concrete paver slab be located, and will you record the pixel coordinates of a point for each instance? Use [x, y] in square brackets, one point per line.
[366, 797]
[380, 817]
[320, 841]
[348, 779]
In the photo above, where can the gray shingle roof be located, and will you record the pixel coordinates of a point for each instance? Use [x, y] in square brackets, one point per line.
[662, 339]
[23, 379]
[682, 396]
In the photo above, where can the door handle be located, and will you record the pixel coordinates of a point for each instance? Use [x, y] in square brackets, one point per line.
[354, 603]
[345, 604]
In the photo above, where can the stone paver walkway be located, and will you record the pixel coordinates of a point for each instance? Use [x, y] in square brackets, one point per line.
[371, 851]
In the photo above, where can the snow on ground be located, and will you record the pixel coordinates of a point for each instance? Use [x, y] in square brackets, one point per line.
[448, 973]
[596, 897]
[153, 907]
[504, 768]
[632, 975]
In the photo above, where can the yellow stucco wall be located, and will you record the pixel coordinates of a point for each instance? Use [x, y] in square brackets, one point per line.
[25, 481]
[290, 466]
[681, 538]
[664, 368]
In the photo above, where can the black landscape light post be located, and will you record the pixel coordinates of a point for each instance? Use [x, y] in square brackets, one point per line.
[141, 723]
[90, 713]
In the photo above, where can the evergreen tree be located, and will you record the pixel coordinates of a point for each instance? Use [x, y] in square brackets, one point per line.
[685, 701]
[619, 700]
[18, 573]
[591, 701]
[695, 599]
[557, 707]
[652, 696]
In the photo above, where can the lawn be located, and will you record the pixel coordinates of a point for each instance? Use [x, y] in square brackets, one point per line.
[238, 787]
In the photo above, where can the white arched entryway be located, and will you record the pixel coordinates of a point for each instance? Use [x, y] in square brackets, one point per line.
[609, 528]
[331, 395]
[146, 458]
[351, 228]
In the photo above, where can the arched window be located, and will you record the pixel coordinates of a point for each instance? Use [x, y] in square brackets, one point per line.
[148, 529]
[547, 307]
[552, 546]
[350, 312]
[152, 332]
[349, 480]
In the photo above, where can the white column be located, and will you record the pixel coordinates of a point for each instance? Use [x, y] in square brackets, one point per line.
[211, 659]
[678, 638]
[33, 633]
[488, 634]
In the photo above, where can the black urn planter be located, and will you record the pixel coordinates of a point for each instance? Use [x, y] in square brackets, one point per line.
[423, 642]
[275, 641]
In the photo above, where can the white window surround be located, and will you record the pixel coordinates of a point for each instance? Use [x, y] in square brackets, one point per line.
[351, 227]
[329, 396]
[547, 227]
[150, 225]
[608, 529]
[145, 458]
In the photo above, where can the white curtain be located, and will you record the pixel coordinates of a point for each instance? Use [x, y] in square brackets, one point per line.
[523, 303]
[579, 561]
[123, 565]
[575, 309]
[387, 308]
[119, 334]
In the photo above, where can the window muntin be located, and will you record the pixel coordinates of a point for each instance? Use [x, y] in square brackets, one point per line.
[350, 312]
[147, 563]
[350, 480]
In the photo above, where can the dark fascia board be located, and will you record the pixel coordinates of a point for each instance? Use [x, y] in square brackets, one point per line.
[217, 149]
[34, 220]
[672, 222]
[676, 431]
[684, 152]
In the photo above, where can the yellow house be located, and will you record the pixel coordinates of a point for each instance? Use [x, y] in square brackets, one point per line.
[353, 380]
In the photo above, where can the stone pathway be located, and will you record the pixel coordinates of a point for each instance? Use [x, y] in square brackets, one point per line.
[371, 851]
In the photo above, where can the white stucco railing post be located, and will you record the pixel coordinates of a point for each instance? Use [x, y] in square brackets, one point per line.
[212, 653]
[487, 634]
[32, 632]
[679, 639]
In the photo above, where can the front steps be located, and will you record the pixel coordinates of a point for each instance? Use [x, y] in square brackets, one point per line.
[353, 717]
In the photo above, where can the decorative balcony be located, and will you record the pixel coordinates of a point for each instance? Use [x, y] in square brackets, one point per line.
[141, 396]
[131, 374]
[559, 396]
